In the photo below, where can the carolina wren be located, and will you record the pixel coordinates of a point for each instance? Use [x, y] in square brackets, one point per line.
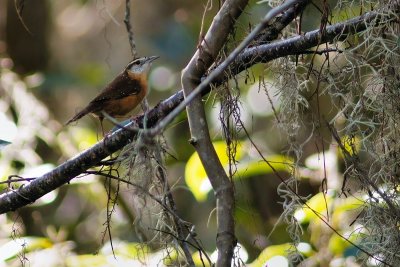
[123, 94]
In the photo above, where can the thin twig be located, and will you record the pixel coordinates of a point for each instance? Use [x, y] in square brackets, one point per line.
[19, 9]
[11, 179]
[127, 21]
[178, 224]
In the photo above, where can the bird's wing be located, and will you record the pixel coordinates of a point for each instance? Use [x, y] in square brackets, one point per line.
[122, 86]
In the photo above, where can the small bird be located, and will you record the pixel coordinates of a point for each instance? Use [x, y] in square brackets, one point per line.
[123, 94]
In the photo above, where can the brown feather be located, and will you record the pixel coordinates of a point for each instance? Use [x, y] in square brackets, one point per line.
[79, 115]
[120, 87]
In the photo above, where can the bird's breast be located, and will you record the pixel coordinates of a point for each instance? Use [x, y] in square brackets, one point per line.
[120, 107]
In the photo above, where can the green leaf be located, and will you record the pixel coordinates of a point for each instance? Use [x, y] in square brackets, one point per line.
[316, 204]
[348, 204]
[252, 167]
[280, 253]
[270, 252]
[338, 245]
[17, 246]
[126, 249]
[342, 14]
[351, 145]
[196, 177]
[200, 259]
[84, 137]
[86, 260]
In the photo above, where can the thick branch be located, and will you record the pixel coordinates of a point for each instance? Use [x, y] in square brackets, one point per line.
[204, 57]
[62, 174]
[295, 45]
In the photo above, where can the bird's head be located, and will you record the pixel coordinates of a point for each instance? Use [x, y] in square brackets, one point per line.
[140, 65]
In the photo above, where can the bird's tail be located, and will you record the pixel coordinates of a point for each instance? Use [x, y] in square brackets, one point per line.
[79, 115]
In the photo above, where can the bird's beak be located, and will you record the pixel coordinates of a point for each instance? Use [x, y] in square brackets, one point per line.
[151, 59]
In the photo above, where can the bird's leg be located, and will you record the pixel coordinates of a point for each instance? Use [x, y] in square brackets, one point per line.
[101, 118]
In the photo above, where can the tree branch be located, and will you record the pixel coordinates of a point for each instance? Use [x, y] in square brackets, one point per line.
[204, 57]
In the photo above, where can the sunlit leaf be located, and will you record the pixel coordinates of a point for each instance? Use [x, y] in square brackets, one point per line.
[86, 260]
[196, 177]
[342, 14]
[135, 254]
[17, 246]
[351, 145]
[84, 137]
[172, 258]
[317, 204]
[271, 252]
[305, 249]
[132, 250]
[276, 255]
[200, 259]
[256, 167]
[340, 247]
[344, 206]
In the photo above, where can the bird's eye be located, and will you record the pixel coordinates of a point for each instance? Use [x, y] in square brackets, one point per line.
[137, 62]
